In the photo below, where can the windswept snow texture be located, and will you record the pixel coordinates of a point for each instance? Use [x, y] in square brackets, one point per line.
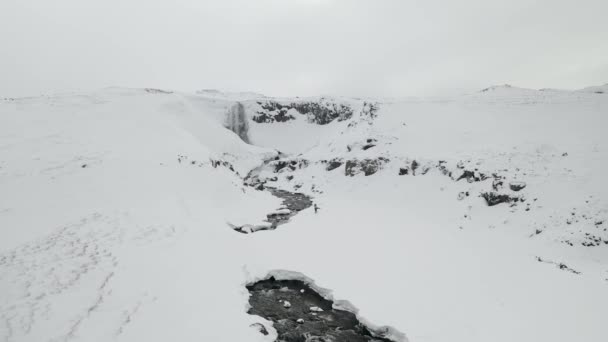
[476, 218]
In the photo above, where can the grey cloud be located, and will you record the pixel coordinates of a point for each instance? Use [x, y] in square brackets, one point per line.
[302, 47]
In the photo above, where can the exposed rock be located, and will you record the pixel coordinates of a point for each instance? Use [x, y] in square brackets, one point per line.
[497, 183]
[157, 91]
[272, 112]
[298, 164]
[441, 166]
[496, 87]
[472, 176]
[321, 112]
[493, 198]
[280, 165]
[369, 112]
[414, 166]
[349, 169]
[217, 163]
[559, 265]
[462, 195]
[367, 166]
[517, 186]
[292, 165]
[591, 240]
[369, 143]
[333, 164]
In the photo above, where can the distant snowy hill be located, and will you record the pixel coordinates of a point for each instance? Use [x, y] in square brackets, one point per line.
[149, 215]
[603, 89]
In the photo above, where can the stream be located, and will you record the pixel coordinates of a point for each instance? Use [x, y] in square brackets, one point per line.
[299, 314]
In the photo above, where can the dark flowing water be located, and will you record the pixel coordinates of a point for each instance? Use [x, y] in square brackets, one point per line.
[299, 314]
[293, 203]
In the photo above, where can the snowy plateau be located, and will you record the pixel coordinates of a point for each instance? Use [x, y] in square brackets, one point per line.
[153, 215]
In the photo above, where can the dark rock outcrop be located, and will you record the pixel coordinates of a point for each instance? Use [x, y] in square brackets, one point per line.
[413, 167]
[497, 183]
[216, 163]
[333, 164]
[324, 113]
[321, 112]
[280, 166]
[369, 112]
[517, 186]
[472, 176]
[493, 198]
[272, 112]
[442, 167]
[367, 166]
[559, 265]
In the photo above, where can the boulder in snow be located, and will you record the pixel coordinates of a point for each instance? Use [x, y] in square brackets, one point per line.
[517, 186]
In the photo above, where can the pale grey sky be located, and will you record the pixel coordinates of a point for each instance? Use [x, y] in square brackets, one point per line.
[302, 47]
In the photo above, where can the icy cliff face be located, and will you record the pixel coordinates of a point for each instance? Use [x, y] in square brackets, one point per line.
[319, 112]
[237, 121]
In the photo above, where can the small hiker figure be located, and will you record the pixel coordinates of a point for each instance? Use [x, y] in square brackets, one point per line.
[316, 208]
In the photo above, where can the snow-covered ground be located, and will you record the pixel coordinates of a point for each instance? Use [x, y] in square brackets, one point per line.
[116, 210]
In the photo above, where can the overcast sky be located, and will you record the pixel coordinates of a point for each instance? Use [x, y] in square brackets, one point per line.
[302, 47]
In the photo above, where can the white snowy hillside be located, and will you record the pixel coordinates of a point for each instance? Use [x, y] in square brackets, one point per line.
[151, 215]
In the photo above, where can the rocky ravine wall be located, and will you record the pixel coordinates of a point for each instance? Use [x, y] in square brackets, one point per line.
[319, 112]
